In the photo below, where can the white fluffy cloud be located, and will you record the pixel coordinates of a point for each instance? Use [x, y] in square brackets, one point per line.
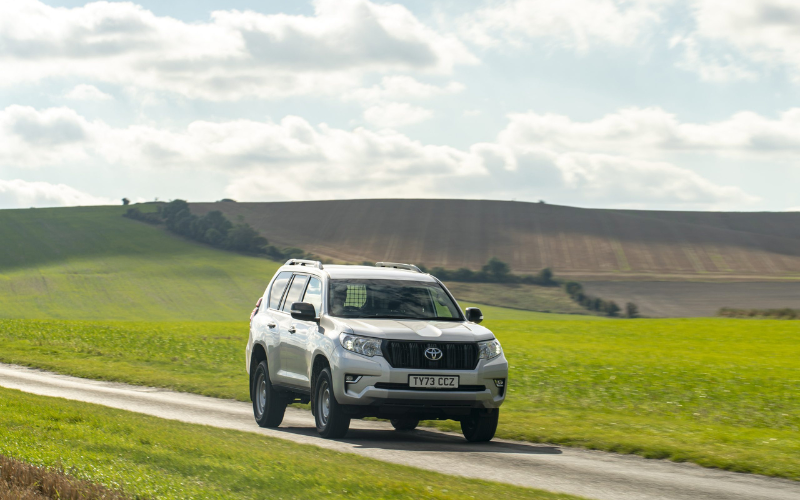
[395, 114]
[18, 193]
[575, 24]
[640, 131]
[234, 55]
[84, 92]
[730, 35]
[291, 159]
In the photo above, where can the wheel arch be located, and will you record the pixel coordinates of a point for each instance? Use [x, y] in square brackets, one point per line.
[258, 355]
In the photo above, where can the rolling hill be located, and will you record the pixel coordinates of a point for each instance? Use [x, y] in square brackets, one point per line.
[588, 244]
[92, 263]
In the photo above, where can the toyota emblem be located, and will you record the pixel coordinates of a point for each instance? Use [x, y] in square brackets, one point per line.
[433, 353]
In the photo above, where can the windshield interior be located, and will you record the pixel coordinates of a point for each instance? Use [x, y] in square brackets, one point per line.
[399, 299]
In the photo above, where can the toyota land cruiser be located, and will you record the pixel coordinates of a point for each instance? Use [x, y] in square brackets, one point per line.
[357, 341]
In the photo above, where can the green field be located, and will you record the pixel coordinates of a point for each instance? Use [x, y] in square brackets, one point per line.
[92, 263]
[155, 458]
[718, 392]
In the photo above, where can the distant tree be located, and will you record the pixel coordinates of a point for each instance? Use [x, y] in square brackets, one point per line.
[542, 202]
[228, 200]
[497, 269]
[126, 201]
[213, 237]
[573, 288]
[631, 310]
[546, 277]
[244, 238]
[611, 308]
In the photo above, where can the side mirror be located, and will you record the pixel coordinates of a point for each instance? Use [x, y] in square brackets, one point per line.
[303, 311]
[474, 315]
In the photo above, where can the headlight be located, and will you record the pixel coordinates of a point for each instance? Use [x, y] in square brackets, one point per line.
[361, 345]
[489, 349]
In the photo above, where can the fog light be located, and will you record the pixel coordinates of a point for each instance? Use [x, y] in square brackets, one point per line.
[351, 379]
[500, 382]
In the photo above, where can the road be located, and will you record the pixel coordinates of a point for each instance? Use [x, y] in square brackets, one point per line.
[591, 474]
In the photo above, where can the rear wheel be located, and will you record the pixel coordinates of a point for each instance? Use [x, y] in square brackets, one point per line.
[268, 405]
[480, 426]
[332, 423]
[405, 424]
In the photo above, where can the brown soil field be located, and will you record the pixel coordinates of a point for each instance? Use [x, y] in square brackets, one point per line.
[580, 243]
[694, 299]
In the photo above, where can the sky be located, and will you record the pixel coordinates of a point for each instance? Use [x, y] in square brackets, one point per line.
[640, 104]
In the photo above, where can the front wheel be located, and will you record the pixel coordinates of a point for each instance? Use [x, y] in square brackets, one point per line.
[480, 427]
[405, 424]
[268, 405]
[332, 423]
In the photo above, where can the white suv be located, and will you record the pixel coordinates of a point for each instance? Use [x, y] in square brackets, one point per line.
[358, 341]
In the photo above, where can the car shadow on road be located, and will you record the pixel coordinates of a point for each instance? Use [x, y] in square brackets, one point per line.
[424, 440]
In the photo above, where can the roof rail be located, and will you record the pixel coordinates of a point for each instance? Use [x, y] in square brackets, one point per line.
[304, 262]
[397, 265]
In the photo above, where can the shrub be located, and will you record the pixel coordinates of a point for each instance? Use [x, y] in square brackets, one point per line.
[631, 310]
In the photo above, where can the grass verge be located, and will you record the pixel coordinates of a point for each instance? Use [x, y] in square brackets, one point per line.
[147, 456]
[21, 481]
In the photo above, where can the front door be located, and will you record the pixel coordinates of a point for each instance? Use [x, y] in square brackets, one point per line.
[298, 350]
[290, 340]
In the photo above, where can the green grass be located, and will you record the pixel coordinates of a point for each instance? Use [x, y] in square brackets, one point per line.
[718, 392]
[92, 263]
[148, 456]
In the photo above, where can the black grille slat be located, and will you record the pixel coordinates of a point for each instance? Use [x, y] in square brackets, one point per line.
[411, 354]
[406, 387]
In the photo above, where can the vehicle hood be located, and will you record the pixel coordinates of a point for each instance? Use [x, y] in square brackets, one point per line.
[405, 329]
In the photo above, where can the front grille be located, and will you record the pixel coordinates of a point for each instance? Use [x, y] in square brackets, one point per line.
[405, 387]
[407, 354]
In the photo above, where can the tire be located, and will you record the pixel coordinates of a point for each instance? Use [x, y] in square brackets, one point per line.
[405, 424]
[268, 405]
[480, 427]
[332, 423]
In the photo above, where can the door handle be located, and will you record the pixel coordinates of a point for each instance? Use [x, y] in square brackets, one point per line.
[271, 325]
[292, 329]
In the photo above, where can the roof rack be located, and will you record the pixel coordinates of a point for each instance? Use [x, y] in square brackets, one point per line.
[397, 265]
[304, 262]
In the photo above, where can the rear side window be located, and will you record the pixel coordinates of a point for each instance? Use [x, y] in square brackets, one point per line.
[313, 294]
[278, 286]
[295, 292]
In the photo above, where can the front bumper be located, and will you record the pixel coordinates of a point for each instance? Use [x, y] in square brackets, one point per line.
[384, 387]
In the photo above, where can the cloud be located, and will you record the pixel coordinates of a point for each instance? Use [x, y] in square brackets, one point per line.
[18, 193]
[640, 131]
[395, 114]
[711, 68]
[84, 92]
[234, 55]
[761, 33]
[400, 88]
[293, 159]
[573, 24]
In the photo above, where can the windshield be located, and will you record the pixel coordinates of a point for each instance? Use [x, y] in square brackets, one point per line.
[397, 299]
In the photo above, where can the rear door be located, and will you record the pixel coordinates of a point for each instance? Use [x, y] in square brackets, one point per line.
[288, 328]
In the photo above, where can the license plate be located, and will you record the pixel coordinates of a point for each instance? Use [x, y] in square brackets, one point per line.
[432, 382]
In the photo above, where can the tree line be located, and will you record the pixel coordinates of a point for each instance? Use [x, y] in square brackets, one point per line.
[609, 307]
[214, 229]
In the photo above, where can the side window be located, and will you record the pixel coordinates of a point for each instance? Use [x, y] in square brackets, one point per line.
[313, 294]
[295, 291]
[278, 286]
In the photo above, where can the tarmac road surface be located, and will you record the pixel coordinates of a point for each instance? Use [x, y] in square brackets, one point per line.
[591, 474]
